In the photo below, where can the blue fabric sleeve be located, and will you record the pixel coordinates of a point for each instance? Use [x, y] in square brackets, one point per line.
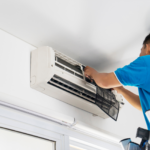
[134, 74]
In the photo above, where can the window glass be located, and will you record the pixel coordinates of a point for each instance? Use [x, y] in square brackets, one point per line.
[12, 140]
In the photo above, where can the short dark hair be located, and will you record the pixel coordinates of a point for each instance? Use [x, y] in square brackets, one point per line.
[147, 40]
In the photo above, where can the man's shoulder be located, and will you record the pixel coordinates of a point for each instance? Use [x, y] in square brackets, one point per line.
[141, 61]
[146, 59]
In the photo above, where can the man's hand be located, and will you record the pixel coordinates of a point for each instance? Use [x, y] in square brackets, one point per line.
[90, 72]
[104, 80]
[132, 98]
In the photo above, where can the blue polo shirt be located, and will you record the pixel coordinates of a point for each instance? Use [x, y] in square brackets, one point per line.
[137, 74]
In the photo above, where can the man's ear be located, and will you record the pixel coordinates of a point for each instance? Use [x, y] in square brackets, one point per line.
[147, 49]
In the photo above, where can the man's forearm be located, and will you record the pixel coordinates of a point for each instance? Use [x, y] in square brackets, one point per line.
[106, 80]
[132, 98]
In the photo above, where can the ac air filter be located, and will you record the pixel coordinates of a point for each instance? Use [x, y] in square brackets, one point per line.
[106, 101]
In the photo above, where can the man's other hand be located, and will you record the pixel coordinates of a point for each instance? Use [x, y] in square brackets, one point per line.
[119, 89]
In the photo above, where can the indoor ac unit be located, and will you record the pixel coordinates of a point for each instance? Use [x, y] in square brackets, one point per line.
[61, 77]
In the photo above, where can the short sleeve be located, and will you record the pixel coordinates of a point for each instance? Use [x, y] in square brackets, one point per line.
[134, 74]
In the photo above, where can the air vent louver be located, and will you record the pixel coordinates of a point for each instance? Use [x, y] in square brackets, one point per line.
[72, 88]
[58, 65]
[73, 69]
[78, 75]
[65, 63]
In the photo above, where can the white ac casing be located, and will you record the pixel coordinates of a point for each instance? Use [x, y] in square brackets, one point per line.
[44, 65]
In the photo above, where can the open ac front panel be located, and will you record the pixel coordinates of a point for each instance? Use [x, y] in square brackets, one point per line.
[61, 77]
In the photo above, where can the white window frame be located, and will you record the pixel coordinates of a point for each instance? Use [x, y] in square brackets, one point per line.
[21, 122]
[15, 132]
[36, 126]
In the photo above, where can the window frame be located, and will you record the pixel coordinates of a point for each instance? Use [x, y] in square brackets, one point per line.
[15, 131]
[26, 123]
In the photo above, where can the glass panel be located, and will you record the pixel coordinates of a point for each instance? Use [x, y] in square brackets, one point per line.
[12, 140]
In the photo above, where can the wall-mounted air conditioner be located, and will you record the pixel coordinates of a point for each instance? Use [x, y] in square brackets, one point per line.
[61, 77]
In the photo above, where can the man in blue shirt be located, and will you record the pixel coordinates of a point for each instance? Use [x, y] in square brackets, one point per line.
[135, 74]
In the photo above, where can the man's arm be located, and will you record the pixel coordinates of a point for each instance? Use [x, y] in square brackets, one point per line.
[132, 98]
[104, 80]
[109, 80]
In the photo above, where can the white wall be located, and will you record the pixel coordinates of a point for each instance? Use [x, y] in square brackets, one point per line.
[15, 81]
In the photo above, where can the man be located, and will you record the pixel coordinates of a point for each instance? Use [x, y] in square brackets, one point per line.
[135, 74]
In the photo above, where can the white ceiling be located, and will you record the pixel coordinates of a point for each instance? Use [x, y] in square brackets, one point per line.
[104, 34]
